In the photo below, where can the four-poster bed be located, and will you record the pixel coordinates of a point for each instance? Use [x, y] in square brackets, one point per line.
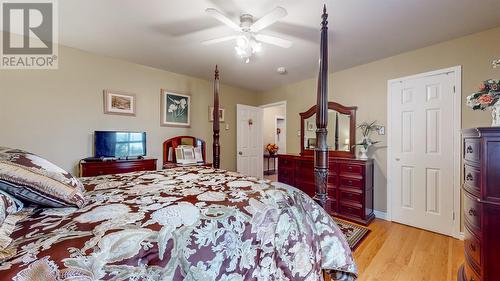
[340, 183]
[185, 223]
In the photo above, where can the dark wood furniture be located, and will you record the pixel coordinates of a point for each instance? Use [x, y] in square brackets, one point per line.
[215, 124]
[171, 165]
[171, 144]
[481, 190]
[350, 184]
[99, 168]
[334, 151]
[270, 157]
[321, 151]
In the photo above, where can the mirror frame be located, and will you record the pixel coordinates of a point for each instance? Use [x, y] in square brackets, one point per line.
[347, 110]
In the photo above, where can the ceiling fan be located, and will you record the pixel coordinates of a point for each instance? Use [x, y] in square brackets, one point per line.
[248, 40]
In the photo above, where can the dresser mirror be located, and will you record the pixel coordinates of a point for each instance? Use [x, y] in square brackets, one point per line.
[341, 130]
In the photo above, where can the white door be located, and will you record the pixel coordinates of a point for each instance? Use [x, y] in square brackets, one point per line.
[421, 137]
[249, 145]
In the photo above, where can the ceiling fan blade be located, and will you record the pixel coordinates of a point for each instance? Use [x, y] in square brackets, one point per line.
[283, 43]
[223, 18]
[268, 19]
[218, 40]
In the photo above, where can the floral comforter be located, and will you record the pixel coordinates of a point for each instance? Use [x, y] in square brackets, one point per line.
[180, 224]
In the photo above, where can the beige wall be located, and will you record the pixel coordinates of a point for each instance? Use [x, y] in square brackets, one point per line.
[366, 87]
[54, 112]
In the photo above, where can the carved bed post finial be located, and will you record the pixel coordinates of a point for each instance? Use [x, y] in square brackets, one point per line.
[321, 151]
[216, 144]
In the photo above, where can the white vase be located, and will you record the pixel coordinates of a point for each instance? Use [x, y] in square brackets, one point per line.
[495, 115]
[363, 151]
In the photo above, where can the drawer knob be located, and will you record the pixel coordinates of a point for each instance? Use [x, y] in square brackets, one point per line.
[469, 177]
[349, 168]
[472, 212]
[469, 149]
[349, 182]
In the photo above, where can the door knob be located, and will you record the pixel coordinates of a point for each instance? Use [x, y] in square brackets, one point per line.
[240, 153]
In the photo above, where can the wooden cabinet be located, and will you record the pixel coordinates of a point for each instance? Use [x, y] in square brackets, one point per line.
[98, 168]
[350, 184]
[481, 204]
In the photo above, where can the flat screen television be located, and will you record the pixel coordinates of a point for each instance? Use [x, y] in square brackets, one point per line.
[119, 144]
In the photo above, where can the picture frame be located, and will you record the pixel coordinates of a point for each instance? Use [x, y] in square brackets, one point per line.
[310, 125]
[175, 109]
[119, 103]
[222, 114]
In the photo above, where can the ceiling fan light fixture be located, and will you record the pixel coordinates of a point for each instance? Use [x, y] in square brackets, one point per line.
[242, 41]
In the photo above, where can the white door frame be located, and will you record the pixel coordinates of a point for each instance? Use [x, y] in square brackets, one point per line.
[457, 142]
[278, 103]
[276, 118]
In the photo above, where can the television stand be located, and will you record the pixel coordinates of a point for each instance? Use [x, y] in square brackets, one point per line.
[99, 168]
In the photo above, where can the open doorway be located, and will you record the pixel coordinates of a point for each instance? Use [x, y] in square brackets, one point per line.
[274, 133]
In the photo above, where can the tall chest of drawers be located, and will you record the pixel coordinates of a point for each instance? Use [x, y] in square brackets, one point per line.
[481, 205]
[350, 184]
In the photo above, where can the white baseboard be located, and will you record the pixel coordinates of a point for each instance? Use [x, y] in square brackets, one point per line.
[380, 215]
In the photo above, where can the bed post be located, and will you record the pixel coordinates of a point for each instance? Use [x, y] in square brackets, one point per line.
[321, 151]
[216, 129]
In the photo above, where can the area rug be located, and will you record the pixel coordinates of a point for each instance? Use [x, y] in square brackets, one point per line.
[354, 233]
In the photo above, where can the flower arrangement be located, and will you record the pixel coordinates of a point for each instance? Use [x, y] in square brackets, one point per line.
[366, 130]
[272, 148]
[486, 97]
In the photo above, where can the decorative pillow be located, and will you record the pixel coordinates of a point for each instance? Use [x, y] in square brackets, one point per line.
[8, 205]
[29, 177]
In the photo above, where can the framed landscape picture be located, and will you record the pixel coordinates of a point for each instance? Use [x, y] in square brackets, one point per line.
[175, 109]
[120, 103]
[222, 114]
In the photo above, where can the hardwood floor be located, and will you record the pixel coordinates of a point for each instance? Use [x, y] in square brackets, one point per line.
[397, 252]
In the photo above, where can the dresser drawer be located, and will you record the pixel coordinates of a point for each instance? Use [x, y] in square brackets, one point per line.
[472, 150]
[472, 179]
[351, 169]
[332, 208]
[305, 186]
[470, 273]
[472, 211]
[285, 175]
[472, 247]
[351, 195]
[304, 171]
[285, 162]
[351, 182]
[352, 210]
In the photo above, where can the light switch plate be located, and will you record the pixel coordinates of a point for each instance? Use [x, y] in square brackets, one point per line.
[381, 130]
[227, 127]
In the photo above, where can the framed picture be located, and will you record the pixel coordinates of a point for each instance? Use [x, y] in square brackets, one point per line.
[222, 114]
[120, 103]
[310, 125]
[175, 109]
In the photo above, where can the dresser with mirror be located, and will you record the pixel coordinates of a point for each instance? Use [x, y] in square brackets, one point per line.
[350, 180]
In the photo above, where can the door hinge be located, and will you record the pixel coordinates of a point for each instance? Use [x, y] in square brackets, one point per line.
[453, 214]
[454, 89]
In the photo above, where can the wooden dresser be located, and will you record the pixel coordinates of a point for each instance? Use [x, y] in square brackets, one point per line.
[98, 168]
[350, 184]
[481, 190]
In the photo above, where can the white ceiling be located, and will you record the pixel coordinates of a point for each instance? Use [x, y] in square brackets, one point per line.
[166, 34]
